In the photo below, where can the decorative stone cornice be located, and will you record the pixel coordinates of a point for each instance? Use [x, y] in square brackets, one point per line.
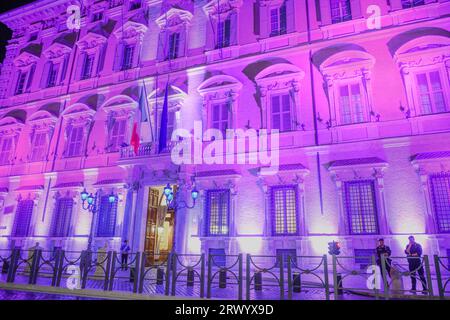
[222, 9]
[174, 18]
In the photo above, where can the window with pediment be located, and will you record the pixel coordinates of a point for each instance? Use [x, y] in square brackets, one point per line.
[347, 76]
[42, 124]
[360, 191]
[174, 26]
[121, 112]
[93, 48]
[223, 23]
[176, 98]
[424, 64]
[220, 102]
[129, 41]
[276, 17]
[11, 126]
[433, 171]
[25, 66]
[57, 58]
[278, 88]
[78, 120]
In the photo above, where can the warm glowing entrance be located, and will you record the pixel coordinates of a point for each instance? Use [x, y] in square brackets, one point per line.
[160, 226]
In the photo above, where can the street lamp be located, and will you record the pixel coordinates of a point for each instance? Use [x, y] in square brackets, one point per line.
[89, 203]
[173, 202]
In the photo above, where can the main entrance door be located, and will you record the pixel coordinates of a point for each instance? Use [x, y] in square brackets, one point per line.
[159, 227]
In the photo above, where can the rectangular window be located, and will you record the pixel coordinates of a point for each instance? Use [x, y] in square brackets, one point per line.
[340, 11]
[174, 43]
[5, 150]
[431, 93]
[52, 75]
[21, 82]
[281, 113]
[351, 105]
[39, 146]
[87, 66]
[61, 217]
[284, 210]
[75, 141]
[22, 220]
[220, 117]
[128, 57]
[412, 3]
[360, 206]
[223, 33]
[217, 212]
[440, 195]
[106, 223]
[118, 134]
[278, 21]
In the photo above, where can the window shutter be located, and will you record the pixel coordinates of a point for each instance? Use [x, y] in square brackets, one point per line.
[325, 12]
[80, 64]
[30, 77]
[257, 18]
[264, 25]
[101, 59]
[233, 29]
[45, 74]
[162, 46]
[118, 57]
[64, 68]
[290, 15]
[182, 49]
[355, 7]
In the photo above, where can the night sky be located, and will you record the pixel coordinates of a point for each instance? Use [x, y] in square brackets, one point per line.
[5, 33]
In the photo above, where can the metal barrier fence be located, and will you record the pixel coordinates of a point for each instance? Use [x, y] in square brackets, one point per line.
[228, 276]
[396, 271]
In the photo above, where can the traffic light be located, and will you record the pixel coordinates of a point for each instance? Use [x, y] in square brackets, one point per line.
[334, 248]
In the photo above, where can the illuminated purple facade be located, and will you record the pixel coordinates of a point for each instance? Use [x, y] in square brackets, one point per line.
[364, 116]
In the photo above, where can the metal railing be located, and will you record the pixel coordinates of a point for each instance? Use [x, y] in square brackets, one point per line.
[442, 274]
[228, 276]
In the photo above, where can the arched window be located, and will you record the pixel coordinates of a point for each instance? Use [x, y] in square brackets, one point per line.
[220, 102]
[347, 75]
[279, 86]
[424, 65]
[174, 26]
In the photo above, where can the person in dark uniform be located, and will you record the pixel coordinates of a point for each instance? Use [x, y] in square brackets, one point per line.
[125, 251]
[383, 250]
[414, 252]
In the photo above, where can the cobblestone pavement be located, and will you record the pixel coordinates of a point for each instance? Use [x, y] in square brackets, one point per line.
[22, 295]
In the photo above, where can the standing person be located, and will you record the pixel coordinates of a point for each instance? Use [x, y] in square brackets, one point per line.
[414, 252]
[125, 250]
[383, 250]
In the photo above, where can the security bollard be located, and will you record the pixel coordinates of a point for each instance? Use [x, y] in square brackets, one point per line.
[296, 282]
[258, 281]
[190, 277]
[159, 276]
[223, 278]
[339, 284]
